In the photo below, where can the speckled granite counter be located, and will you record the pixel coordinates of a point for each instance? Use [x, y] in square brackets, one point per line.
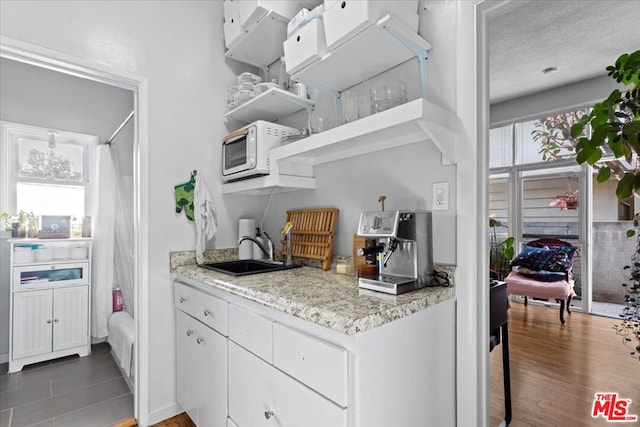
[322, 297]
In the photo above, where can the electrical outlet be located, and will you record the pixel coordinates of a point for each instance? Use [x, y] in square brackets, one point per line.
[440, 196]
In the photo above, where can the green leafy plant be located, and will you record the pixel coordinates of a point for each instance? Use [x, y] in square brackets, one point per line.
[500, 253]
[615, 124]
[553, 133]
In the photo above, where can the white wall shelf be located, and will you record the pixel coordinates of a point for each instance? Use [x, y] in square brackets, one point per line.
[371, 52]
[264, 185]
[413, 122]
[270, 105]
[263, 44]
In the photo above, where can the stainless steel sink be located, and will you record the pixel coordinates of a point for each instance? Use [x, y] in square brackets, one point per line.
[243, 267]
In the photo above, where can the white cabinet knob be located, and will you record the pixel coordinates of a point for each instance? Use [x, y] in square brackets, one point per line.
[200, 340]
[268, 414]
[207, 312]
[189, 332]
[182, 300]
[49, 321]
[55, 320]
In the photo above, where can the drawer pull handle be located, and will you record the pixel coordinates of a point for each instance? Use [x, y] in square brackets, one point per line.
[200, 340]
[189, 332]
[49, 321]
[207, 312]
[268, 414]
[182, 300]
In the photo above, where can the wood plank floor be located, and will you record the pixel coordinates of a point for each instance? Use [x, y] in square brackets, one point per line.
[556, 369]
[180, 420]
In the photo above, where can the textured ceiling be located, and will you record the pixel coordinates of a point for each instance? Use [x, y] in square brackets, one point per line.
[580, 38]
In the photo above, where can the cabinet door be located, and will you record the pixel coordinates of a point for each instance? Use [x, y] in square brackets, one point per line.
[32, 320]
[70, 317]
[211, 370]
[186, 364]
[261, 395]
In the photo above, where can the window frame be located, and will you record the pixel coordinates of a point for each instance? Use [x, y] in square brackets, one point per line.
[11, 133]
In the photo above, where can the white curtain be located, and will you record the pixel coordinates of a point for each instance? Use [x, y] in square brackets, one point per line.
[124, 257]
[102, 280]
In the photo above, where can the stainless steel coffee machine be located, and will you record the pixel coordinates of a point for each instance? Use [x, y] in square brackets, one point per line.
[404, 244]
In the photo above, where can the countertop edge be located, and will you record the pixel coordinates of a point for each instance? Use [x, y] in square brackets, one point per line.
[318, 315]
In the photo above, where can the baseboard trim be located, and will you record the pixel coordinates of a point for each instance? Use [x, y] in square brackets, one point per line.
[164, 413]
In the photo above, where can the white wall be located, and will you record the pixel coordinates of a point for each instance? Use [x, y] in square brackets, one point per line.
[178, 46]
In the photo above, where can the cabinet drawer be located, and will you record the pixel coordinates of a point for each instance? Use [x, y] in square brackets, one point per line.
[260, 395]
[48, 275]
[318, 364]
[251, 331]
[208, 309]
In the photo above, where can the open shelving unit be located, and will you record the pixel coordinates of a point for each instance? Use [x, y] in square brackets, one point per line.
[345, 66]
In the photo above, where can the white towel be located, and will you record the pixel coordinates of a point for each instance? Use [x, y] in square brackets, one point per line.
[204, 216]
[121, 338]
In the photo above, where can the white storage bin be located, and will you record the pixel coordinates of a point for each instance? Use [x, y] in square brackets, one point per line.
[43, 254]
[22, 255]
[252, 11]
[79, 252]
[305, 46]
[344, 19]
[232, 28]
[61, 252]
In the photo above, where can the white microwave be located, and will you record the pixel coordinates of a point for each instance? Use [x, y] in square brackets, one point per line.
[245, 152]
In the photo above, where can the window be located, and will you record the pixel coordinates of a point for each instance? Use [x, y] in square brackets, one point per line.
[47, 171]
[544, 139]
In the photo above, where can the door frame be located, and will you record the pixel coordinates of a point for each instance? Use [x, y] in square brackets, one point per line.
[20, 51]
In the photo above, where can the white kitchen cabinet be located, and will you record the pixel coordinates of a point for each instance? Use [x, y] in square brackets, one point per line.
[261, 395]
[49, 304]
[201, 371]
[284, 371]
[201, 356]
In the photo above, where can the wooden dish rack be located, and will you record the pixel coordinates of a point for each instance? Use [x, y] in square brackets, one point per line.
[312, 234]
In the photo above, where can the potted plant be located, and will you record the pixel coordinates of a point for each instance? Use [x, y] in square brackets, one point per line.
[568, 200]
[500, 252]
[17, 223]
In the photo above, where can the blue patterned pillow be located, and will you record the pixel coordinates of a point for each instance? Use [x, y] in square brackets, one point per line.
[533, 258]
[561, 260]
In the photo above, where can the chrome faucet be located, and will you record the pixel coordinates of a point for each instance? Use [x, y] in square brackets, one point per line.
[287, 232]
[268, 251]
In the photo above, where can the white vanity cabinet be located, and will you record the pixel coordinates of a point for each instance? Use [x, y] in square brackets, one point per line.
[49, 304]
[201, 356]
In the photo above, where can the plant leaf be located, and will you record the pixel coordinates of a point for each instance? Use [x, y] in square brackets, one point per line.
[625, 186]
[604, 174]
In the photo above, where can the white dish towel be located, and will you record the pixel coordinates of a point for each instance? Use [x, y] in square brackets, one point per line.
[204, 216]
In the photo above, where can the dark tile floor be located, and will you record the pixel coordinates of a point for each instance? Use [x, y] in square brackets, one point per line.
[68, 392]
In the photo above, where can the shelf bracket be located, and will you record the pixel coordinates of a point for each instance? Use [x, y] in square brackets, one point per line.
[331, 92]
[420, 53]
[305, 105]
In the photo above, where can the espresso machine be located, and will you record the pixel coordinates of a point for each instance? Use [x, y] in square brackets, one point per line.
[405, 251]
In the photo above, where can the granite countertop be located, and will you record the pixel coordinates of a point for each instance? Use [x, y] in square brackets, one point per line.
[322, 297]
